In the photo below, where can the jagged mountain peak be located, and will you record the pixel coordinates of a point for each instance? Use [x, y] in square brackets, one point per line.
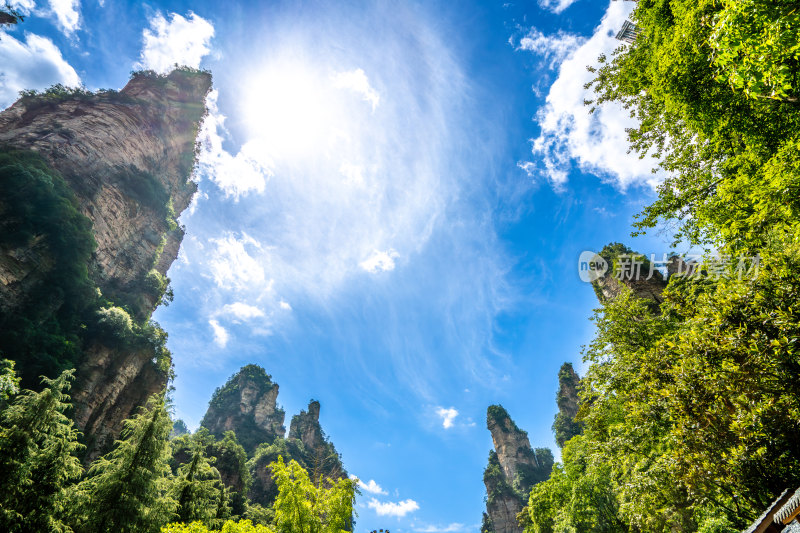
[247, 404]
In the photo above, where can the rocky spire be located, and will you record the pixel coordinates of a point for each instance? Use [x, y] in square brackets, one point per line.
[514, 467]
[247, 405]
[305, 427]
[565, 425]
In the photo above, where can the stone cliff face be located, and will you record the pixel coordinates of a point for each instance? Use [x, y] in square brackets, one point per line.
[127, 157]
[321, 457]
[514, 467]
[247, 405]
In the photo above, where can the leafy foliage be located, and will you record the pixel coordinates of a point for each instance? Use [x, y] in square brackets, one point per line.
[756, 47]
[38, 207]
[244, 526]
[302, 507]
[731, 162]
[46, 333]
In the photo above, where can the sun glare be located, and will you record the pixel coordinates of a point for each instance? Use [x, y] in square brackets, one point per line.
[292, 109]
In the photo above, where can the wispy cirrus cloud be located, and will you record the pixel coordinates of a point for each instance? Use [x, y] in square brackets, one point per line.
[556, 6]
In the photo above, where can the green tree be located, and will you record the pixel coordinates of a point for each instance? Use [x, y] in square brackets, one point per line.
[690, 413]
[9, 381]
[38, 458]
[756, 47]
[244, 526]
[198, 489]
[578, 497]
[731, 162]
[302, 507]
[128, 489]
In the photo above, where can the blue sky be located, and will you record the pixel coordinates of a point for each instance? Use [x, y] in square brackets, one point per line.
[392, 200]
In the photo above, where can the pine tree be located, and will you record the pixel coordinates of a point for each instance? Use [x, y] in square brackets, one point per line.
[128, 489]
[38, 458]
[198, 489]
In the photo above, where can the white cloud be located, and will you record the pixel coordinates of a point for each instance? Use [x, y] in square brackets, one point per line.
[448, 416]
[236, 175]
[285, 305]
[357, 81]
[231, 264]
[450, 528]
[596, 142]
[180, 40]
[372, 487]
[35, 63]
[398, 509]
[380, 261]
[553, 48]
[242, 311]
[221, 335]
[556, 6]
[23, 6]
[68, 15]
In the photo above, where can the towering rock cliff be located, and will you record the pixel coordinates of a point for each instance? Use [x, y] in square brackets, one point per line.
[247, 404]
[122, 160]
[566, 425]
[514, 467]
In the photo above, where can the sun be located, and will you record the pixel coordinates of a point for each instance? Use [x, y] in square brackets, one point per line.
[292, 108]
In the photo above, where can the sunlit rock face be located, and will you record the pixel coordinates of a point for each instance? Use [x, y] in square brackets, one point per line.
[127, 156]
[305, 427]
[247, 405]
[514, 467]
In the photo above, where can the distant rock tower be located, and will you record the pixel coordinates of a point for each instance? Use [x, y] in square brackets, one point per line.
[514, 467]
